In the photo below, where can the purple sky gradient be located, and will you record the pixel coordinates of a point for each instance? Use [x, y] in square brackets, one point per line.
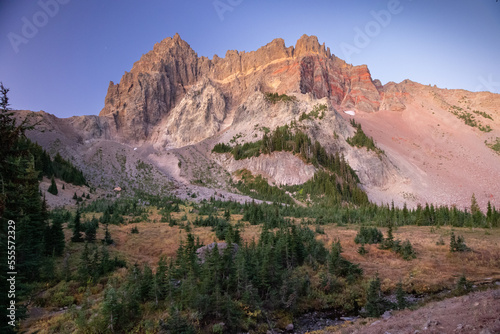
[64, 65]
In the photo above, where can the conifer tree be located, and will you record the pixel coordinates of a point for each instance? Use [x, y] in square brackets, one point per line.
[91, 230]
[401, 296]
[146, 285]
[77, 229]
[376, 305]
[112, 309]
[53, 187]
[107, 236]
[54, 237]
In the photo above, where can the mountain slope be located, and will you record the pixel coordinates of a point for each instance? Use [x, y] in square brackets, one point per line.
[170, 110]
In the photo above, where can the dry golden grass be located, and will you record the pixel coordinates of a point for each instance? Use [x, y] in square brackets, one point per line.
[434, 268]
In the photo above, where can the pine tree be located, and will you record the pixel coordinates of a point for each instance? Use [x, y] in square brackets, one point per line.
[463, 286]
[54, 237]
[401, 296]
[112, 309]
[77, 229]
[84, 270]
[376, 305]
[474, 206]
[107, 236]
[53, 187]
[20, 203]
[146, 287]
[176, 323]
[91, 230]
[489, 215]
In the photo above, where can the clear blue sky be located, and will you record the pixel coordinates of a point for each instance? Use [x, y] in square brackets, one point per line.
[64, 65]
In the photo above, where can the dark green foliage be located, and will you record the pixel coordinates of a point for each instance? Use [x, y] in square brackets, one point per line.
[54, 237]
[469, 119]
[327, 189]
[247, 150]
[362, 250]
[275, 98]
[315, 113]
[360, 139]
[463, 286]
[405, 249]
[376, 304]
[77, 229]
[494, 144]
[94, 263]
[134, 230]
[107, 236]
[339, 266]
[257, 187]
[90, 228]
[222, 148]
[388, 243]
[53, 187]
[457, 244]
[337, 180]
[264, 275]
[401, 297]
[482, 113]
[57, 167]
[113, 211]
[368, 235]
[176, 323]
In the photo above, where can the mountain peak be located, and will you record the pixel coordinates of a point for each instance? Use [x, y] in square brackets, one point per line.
[310, 44]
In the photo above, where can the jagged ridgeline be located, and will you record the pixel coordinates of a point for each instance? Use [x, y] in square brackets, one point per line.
[58, 167]
[334, 183]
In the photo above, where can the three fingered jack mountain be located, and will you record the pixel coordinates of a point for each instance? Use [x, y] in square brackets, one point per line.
[160, 123]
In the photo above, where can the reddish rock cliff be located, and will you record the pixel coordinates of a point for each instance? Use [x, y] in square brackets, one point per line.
[160, 80]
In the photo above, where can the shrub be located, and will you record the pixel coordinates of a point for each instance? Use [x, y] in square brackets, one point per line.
[362, 250]
[463, 286]
[222, 148]
[368, 235]
[458, 244]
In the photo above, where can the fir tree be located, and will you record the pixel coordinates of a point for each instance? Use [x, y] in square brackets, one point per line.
[77, 229]
[107, 236]
[91, 230]
[401, 296]
[176, 323]
[54, 237]
[376, 305]
[53, 187]
[112, 309]
[463, 286]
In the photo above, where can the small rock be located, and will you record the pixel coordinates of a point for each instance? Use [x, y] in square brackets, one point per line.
[431, 323]
[374, 323]
[386, 315]
[289, 327]
[485, 331]
[460, 326]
